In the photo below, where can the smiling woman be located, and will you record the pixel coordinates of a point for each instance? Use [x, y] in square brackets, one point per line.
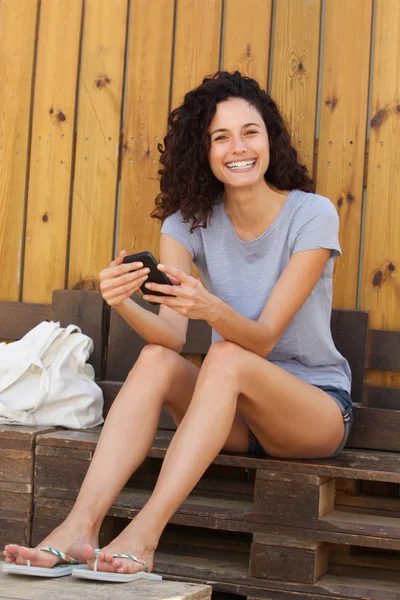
[236, 202]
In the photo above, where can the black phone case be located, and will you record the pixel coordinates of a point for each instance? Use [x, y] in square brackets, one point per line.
[154, 276]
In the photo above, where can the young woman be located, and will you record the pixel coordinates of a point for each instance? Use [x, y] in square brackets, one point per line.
[235, 201]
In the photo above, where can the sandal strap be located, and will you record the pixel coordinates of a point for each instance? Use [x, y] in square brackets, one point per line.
[131, 556]
[65, 557]
[134, 558]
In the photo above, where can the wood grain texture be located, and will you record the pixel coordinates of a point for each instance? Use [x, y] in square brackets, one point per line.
[273, 560]
[17, 45]
[14, 530]
[97, 145]
[383, 350]
[145, 124]
[69, 587]
[375, 428]
[341, 147]
[246, 38]
[197, 43]
[53, 133]
[85, 309]
[381, 256]
[295, 70]
[17, 318]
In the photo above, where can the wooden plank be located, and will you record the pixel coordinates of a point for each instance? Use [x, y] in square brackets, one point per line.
[246, 38]
[383, 397]
[341, 147]
[67, 474]
[295, 70]
[350, 464]
[17, 46]
[21, 437]
[147, 104]
[375, 428]
[198, 27]
[381, 255]
[349, 332]
[16, 465]
[51, 149]
[99, 116]
[16, 503]
[273, 558]
[17, 318]
[383, 350]
[70, 588]
[287, 502]
[14, 530]
[85, 309]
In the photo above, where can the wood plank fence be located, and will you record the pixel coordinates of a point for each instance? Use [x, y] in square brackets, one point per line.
[85, 90]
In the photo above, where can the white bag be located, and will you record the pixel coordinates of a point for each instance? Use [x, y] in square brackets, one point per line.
[44, 379]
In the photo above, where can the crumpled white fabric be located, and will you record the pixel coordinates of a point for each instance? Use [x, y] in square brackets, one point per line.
[45, 380]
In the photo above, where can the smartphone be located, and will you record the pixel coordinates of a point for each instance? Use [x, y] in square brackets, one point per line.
[154, 276]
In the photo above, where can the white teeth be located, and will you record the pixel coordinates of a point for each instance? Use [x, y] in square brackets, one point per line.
[242, 164]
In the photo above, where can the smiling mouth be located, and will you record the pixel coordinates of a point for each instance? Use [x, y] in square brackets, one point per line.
[241, 165]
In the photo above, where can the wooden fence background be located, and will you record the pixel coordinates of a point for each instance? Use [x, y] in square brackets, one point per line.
[85, 90]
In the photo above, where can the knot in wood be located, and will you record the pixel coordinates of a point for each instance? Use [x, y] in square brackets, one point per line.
[102, 82]
[379, 118]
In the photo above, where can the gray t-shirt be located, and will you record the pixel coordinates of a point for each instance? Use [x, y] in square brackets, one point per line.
[243, 275]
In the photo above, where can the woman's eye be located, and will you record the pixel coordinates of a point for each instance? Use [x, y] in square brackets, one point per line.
[251, 131]
[220, 137]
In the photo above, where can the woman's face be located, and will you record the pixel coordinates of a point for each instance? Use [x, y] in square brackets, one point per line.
[239, 147]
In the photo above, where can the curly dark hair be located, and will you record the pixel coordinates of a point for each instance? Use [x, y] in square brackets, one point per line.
[187, 182]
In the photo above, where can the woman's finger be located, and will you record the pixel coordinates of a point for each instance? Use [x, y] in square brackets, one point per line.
[172, 290]
[177, 273]
[128, 289]
[115, 282]
[119, 259]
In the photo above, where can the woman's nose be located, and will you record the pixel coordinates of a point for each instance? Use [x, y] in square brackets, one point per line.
[239, 145]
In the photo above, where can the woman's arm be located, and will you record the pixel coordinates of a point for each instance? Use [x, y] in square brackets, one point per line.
[290, 292]
[168, 328]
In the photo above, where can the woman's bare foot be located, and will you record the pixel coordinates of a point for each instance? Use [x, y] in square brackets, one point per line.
[131, 541]
[67, 538]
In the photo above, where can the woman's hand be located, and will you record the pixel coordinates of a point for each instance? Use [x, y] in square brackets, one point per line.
[119, 281]
[191, 300]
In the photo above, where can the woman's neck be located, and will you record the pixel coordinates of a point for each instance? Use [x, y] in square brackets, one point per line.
[253, 209]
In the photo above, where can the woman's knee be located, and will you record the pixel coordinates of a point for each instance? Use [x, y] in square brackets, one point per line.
[223, 357]
[158, 360]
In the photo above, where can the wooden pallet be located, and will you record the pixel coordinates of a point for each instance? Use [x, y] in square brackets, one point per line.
[253, 522]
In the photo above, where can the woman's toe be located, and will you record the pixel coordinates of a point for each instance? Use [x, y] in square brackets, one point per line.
[88, 552]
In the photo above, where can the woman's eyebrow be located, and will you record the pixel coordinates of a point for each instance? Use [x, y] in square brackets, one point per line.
[243, 127]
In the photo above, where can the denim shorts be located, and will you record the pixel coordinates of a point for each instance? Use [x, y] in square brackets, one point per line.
[342, 399]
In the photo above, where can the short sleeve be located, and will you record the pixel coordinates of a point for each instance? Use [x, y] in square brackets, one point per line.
[318, 227]
[175, 226]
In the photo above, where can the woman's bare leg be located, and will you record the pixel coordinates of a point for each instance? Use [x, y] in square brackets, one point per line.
[290, 417]
[160, 375]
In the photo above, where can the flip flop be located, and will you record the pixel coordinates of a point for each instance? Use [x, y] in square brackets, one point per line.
[84, 572]
[59, 570]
